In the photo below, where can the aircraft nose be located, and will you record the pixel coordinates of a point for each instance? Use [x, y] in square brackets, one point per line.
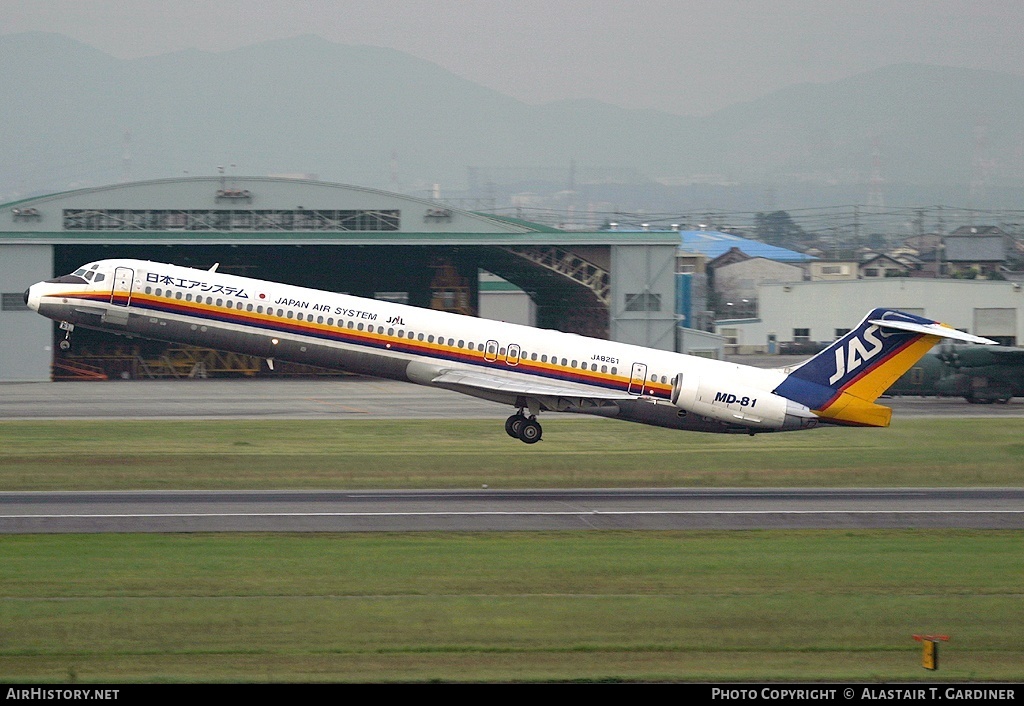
[32, 298]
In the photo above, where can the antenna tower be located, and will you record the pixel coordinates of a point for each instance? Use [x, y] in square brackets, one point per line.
[876, 199]
[126, 157]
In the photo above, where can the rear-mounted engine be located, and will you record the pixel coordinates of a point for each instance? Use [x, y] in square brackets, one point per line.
[738, 404]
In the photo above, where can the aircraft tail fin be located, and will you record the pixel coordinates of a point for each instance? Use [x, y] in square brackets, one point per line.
[843, 381]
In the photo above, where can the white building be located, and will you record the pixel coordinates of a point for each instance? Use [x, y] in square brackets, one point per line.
[807, 312]
[501, 300]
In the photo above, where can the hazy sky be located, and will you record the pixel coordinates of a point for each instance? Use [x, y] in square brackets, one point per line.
[683, 56]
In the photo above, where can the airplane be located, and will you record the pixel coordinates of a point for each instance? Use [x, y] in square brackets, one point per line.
[981, 375]
[533, 370]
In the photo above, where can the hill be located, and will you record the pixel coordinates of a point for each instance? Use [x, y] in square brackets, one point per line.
[378, 117]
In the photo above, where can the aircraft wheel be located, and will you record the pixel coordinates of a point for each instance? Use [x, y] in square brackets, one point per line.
[513, 424]
[530, 432]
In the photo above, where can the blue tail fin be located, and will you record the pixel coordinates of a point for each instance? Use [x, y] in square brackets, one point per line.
[866, 361]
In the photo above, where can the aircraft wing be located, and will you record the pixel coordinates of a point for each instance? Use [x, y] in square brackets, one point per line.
[1005, 354]
[474, 383]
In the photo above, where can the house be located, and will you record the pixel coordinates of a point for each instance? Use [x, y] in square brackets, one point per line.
[883, 266]
[975, 251]
[736, 283]
[829, 270]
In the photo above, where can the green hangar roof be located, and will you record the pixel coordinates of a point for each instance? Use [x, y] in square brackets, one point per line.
[258, 210]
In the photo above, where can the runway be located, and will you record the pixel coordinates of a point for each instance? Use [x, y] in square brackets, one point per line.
[517, 510]
[473, 510]
[324, 398]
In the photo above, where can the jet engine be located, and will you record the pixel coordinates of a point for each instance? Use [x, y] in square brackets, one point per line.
[737, 404]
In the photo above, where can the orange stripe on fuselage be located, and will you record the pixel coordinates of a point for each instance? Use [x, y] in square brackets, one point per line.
[371, 337]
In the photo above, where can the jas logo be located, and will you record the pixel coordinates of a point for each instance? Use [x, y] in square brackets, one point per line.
[856, 353]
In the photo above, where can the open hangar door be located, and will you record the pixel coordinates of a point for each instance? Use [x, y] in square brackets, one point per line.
[440, 277]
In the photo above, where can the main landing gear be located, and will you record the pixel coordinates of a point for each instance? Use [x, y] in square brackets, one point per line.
[526, 429]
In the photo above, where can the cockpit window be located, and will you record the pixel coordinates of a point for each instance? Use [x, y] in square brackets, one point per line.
[89, 275]
[80, 271]
[100, 277]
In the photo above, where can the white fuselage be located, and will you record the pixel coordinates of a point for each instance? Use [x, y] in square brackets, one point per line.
[518, 365]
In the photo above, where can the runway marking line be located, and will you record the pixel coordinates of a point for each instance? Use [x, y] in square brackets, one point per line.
[524, 512]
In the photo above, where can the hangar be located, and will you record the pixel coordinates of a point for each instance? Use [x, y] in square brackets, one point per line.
[334, 237]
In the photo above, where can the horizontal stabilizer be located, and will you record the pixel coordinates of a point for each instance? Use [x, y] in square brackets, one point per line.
[932, 329]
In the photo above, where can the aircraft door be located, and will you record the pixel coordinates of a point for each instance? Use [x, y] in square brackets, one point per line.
[491, 351]
[637, 379]
[121, 292]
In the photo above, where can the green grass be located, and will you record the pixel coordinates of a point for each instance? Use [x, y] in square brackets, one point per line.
[89, 455]
[697, 606]
[592, 606]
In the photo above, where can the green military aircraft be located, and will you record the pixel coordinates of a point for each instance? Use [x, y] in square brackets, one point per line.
[979, 374]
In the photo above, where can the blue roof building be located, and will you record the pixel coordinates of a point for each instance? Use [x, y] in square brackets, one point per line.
[712, 244]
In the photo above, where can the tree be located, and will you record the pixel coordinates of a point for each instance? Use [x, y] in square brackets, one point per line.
[778, 228]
